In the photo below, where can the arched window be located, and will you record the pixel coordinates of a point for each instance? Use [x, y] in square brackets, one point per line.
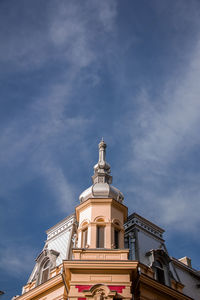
[116, 238]
[117, 229]
[45, 271]
[159, 272]
[159, 261]
[84, 238]
[100, 236]
[84, 234]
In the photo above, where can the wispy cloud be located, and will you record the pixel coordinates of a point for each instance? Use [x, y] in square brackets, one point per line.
[59, 54]
[166, 136]
[65, 33]
[29, 142]
[181, 205]
[16, 259]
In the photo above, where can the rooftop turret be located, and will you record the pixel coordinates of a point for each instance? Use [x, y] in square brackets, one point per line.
[101, 180]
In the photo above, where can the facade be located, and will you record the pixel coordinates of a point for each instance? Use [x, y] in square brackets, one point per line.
[102, 253]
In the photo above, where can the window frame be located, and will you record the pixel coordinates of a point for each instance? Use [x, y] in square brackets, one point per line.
[100, 236]
[84, 238]
[159, 272]
[45, 270]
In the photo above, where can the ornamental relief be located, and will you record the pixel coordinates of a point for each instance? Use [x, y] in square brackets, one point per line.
[100, 292]
[99, 295]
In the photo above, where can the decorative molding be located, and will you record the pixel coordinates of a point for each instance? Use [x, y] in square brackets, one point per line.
[62, 226]
[46, 253]
[142, 223]
[101, 264]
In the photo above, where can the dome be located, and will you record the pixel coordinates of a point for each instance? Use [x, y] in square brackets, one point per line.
[101, 190]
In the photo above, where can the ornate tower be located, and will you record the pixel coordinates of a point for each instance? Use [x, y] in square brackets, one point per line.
[101, 214]
[100, 266]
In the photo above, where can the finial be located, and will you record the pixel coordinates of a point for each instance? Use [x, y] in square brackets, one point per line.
[102, 168]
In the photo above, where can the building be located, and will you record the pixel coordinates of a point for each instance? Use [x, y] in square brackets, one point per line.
[101, 252]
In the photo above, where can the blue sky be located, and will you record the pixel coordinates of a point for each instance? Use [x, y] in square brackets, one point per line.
[74, 71]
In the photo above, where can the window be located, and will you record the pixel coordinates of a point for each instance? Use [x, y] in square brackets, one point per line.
[159, 261]
[100, 237]
[45, 271]
[159, 271]
[116, 238]
[46, 261]
[84, 237]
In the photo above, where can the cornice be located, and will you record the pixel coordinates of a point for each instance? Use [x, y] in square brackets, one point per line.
[145, 221]
[61, 227]
[101, 264]
[107, 250]
[68, 218]
[142, 223]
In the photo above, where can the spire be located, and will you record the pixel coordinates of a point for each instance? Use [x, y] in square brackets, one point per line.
[102, 168]
[101, 187]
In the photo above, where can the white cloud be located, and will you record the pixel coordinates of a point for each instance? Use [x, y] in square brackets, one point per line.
[107, 11]
[167, 130]
[16, 259]
[63, 191]
[167, 127]
[180, 209]
[29, 143]
[68, 32]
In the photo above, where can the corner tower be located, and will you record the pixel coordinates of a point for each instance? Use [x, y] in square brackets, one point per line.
[100, 267]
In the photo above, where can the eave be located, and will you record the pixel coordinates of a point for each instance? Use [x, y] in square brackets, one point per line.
[161, 288]
[42, 288]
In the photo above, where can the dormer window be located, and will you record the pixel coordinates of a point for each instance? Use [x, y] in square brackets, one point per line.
[159, 272]
[46, 261]
[45, 271]
[159, 261]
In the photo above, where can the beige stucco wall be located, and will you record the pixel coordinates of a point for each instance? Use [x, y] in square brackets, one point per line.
[101, 212]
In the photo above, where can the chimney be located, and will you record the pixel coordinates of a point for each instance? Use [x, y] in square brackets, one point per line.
[186, 260]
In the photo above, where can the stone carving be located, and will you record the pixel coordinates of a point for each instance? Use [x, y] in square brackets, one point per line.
[74, 240]
[99, 295]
